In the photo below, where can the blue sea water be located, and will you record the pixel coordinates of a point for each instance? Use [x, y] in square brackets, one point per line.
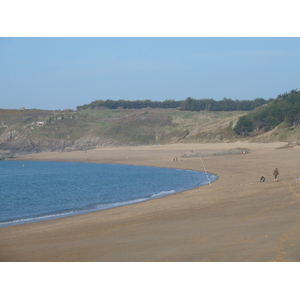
[32, 191]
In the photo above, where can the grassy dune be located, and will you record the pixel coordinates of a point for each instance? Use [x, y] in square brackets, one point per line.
[144, 126]
[24, 131]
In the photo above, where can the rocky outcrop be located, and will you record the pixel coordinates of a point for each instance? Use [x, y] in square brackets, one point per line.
[10, 136]
[13, 143]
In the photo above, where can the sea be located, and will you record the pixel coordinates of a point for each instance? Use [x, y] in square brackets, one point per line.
[32, 191]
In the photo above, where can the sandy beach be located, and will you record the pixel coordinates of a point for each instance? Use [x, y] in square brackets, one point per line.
[235, 219]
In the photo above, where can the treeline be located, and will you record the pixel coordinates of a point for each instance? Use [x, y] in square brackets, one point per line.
[222, 105]
[285, 108]
[190, 104]
[127, 104]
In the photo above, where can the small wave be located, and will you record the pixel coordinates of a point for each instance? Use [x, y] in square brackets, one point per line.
[163, 193]
[38, 218]
[90, 208]
[103, 206]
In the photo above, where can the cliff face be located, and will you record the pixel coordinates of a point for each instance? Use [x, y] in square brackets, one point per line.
[14, 143]
[30, 131]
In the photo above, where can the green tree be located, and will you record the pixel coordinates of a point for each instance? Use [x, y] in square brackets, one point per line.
[244, 126]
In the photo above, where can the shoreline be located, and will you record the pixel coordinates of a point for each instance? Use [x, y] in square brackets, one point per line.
[236, 218]
[65, 213]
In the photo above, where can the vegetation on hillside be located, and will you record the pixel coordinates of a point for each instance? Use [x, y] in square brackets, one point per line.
[127, 104]
[222, 105]
[285, 110]
[190, 104]
[195, 121]
[23, 131]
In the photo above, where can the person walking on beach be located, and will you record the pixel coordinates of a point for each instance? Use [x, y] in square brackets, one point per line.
[275, 173]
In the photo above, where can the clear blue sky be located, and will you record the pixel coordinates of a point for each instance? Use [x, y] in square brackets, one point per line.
[59, 73]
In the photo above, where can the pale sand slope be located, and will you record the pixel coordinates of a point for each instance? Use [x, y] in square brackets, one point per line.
[236, 218]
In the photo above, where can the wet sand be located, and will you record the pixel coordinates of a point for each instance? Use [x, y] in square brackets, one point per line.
[235, 219]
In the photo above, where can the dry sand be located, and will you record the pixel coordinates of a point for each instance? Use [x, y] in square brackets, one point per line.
[236, 218]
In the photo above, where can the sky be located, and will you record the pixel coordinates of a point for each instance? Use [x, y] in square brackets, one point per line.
[63, 54]
[65, 72]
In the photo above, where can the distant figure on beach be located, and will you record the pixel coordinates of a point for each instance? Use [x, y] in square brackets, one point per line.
[262, 179]
[276, 173]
